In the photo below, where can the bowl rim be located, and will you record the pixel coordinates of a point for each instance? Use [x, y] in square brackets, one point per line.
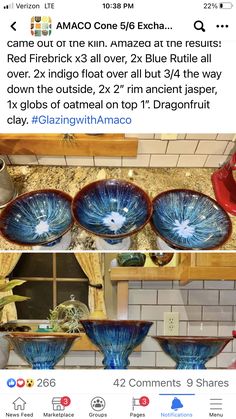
[193, 339]
[116, 322]
[39, 335]
[120, 181]
[191, 191]
[5, 211]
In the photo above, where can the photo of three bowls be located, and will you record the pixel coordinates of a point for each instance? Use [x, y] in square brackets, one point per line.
[112, 210]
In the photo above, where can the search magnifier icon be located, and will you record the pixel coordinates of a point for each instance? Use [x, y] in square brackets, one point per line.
[199, 25]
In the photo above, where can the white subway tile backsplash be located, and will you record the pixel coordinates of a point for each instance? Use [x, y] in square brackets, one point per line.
[230, 149]
[228, 347]
[107, 161]
[98, 359]
[183, 328]
[203, 297]
[224, 360]
[80, 358]
[149, 344]
[23, 159]
[142, 359]
[52, 160]
[192, 160]
[151, 147]
[142, 160]
[135, 284]
[163, 360]
[225, 329]
[154, 312]
[191, 286]
[15, 359]
[163, 160]
[79, 161]
[182, 147]
[234, 313]
[171, 137]
[211, 363]
[211, 147]
[134, 312]
[228, 297]
[215, 161]
[225, 137]
[156, 285]
[219, 285]
[172, 297]
[153, 329]
[142, 297]
[188, 312]
[201, 136]
[202, 328]
[218, 312]
[160, 328]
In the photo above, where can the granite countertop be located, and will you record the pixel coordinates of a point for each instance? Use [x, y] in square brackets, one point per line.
[72, 179]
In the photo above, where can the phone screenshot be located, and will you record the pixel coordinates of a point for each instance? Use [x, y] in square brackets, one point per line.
[117, 206]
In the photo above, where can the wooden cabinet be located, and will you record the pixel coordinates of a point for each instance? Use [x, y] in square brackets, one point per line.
[212, 266]
[220, 259]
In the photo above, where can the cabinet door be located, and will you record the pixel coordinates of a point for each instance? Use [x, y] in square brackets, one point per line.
[216, 259]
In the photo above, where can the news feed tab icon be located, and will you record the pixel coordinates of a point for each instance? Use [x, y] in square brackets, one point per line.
[8, 6]
[41, 26]
[19, 404]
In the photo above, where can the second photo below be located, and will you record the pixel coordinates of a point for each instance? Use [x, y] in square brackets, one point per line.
[117, 310]
[117, 192]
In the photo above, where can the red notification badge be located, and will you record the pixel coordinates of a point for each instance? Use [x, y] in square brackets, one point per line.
[65, 401]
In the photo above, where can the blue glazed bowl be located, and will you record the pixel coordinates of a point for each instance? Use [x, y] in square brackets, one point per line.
[187, 219]
[37, 217]
[112, 208]
[41, 350]
[116, 339]
[192, 352]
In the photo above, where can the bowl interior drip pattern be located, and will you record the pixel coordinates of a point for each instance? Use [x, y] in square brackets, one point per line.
[112, 208]
[186, 219]
[37, 218]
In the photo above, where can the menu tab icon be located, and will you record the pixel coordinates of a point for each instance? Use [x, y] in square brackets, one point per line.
[216, 404]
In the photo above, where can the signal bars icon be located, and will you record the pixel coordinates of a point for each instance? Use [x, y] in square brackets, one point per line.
[9, 6]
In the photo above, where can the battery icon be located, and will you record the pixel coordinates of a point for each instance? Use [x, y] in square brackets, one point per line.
[226, 5]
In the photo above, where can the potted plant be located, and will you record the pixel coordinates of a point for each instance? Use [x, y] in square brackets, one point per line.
[4, 287]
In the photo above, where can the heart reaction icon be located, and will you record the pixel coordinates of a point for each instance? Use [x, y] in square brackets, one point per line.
[20, 382]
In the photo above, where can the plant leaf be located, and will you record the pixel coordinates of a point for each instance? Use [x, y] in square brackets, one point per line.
[10, 285]
[11, 299]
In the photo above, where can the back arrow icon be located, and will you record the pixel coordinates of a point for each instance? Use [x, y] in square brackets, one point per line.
[13, 26]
